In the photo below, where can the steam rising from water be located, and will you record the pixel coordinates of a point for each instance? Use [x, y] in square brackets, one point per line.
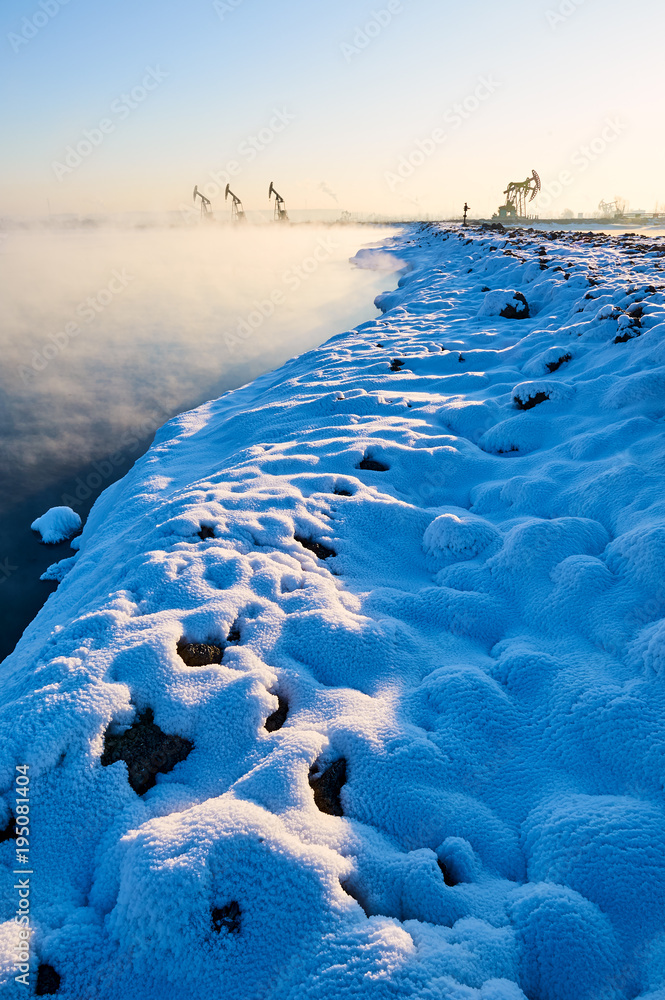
[108, 333]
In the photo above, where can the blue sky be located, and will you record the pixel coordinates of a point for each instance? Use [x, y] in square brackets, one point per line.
[360, 89]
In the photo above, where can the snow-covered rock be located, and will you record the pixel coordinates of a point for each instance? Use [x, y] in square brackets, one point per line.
[454, 538]
[57, 524]
[509, 304]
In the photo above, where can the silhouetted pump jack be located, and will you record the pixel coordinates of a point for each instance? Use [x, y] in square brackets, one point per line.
[206, 211]
[281, 215]
[237, 211]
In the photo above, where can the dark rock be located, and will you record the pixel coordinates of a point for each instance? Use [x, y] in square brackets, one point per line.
[227, 918]
[320, 550]
[9, 832]
[448, 876]
[234, 633]
[396, 364]
[48, 981]
[146, 751]
[206, 532]
[372, 465]
[342, 493]
[199, 654]
[327, 786]
[520, 311]
[552, 366]
[624, 338]
[278, 717]
[528, 404]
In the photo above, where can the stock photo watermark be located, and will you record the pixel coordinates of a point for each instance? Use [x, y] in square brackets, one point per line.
[224, 7]
[581, 160]
[6, 569]
[248, 150]
[32, 25]
[22, 885]
[563, 12]
[105, 470]
[455, 117]
[293, 278]
[121, 108]
[87, 310]
[364, 34]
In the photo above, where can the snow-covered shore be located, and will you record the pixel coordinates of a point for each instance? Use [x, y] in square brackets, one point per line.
[431, 553]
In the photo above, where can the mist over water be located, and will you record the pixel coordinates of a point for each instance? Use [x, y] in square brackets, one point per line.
[109, 331]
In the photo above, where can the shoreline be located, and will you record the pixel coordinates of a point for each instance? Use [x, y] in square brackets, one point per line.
[80, 407]
[428, 553]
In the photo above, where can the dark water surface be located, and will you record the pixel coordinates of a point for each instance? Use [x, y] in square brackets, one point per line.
[107, 332]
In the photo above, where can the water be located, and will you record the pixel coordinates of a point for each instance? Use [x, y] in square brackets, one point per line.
[110, 330]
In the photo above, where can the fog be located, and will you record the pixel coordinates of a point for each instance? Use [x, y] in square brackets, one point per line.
[108, 331]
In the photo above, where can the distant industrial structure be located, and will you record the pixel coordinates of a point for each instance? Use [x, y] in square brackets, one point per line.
[206, 210]
[237, 208]
[518, 195]
[237, 211]
[281, 215]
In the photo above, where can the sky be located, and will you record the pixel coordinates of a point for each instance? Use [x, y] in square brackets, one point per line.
[397, 107]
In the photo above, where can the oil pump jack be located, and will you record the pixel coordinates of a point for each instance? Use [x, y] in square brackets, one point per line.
[518, 195]
[237, 211]
[206, 211]
[281, 215]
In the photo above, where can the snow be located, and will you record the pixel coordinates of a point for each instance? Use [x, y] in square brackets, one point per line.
[459, 597]
[509, 304]
[57, 524]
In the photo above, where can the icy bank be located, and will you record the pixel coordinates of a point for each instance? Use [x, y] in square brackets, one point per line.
[355, 686]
